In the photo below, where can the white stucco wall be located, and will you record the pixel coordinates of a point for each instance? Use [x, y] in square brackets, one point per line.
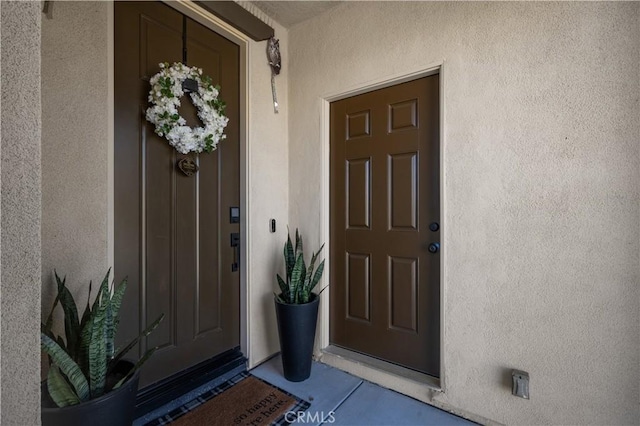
[21, 219]
[541, 172]
[75, 162]
[268, 193]
[75, 130]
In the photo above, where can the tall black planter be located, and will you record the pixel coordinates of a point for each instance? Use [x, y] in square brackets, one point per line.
[115, 408]
[297, 331]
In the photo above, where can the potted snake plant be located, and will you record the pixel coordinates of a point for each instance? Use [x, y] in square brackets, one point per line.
[297, 310]
[89, 382]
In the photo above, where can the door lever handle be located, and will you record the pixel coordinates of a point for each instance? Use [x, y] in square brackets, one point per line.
[235, 243]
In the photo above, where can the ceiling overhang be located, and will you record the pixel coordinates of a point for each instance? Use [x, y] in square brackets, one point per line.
[238, 17]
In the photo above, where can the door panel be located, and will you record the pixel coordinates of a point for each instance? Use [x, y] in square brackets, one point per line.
[358, 287]
[385, 297]
[359, 193]
[171, 230]
[220, 58]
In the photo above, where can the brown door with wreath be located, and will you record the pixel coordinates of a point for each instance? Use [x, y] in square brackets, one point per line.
[172, 231]
[385, 213]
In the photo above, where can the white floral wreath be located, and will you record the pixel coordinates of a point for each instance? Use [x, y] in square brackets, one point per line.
[165, 94]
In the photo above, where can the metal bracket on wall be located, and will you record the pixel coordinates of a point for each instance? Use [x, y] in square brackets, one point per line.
[47, 9]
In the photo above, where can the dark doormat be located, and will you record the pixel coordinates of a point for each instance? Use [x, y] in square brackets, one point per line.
[242, 400]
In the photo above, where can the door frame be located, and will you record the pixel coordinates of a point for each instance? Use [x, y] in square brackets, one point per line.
[215, 24]
[323, 340]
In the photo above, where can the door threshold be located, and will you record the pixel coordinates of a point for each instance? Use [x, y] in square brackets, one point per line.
[172, 387]
[420, 386]
[403, 380]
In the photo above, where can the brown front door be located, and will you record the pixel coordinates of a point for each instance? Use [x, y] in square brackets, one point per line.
[385, 201]
[172, 231]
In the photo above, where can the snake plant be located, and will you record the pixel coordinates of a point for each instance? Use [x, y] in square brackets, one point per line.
[80, 363]
[300, 280]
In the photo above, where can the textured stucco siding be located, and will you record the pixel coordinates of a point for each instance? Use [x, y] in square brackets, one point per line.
[20, 212]
[541, 187]
[75, 137]
[268, 193]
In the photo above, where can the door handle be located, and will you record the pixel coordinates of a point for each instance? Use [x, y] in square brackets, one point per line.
[235, 243]
[434, 247]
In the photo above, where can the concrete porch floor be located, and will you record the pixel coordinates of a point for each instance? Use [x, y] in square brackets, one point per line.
[350, 400]
[336, 398]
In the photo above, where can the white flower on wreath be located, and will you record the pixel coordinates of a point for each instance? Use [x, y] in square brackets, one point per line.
[164, 98]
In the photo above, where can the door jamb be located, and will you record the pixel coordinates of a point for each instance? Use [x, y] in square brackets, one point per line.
[214, 23]
[325, 230]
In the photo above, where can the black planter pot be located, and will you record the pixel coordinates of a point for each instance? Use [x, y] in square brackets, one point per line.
[297, 331]
[115, 408]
